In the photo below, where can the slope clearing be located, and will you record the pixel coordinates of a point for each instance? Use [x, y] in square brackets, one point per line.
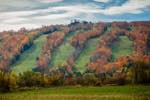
[123, 47]
[62, 53]
[28, 58]
[85, 55]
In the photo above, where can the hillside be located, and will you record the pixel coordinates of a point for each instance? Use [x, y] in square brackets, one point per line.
[80, 46]
[77, 54]
[74, 49]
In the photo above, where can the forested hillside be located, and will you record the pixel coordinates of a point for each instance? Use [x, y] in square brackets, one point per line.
[79, 48]
[79, 45]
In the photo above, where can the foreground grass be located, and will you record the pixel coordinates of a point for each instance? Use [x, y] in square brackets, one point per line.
[123, 47]
[82, 93]
[28, 58]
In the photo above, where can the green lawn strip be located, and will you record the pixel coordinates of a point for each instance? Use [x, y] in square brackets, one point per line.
[97, 90]
[79, 97]
[61, 54]
[123, 47]
[70, 90]
[85, 55]
[128, 92]
[27, 59]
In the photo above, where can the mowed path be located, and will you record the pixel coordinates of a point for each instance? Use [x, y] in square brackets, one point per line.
[123, 47]
[27, 60]
[62, 53]
[85, 55]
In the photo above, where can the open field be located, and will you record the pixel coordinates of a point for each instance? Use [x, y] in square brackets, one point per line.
[27, 59]
[82, 93]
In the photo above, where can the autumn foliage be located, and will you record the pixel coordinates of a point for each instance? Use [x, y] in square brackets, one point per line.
[13, 44]
[53, 41]
[79, 41]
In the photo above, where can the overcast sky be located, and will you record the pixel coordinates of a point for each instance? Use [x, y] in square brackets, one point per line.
[15, 14]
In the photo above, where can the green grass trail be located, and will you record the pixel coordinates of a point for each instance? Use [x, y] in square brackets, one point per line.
[28, 58]
[62, 53]
[123, 47]
[85, 55]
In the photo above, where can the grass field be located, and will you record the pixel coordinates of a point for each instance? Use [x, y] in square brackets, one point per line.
[84, 57]
[123, 47]
[27, 59]
[82, 93]
[62, 53]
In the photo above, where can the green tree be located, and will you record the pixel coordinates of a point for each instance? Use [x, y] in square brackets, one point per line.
[8, 81]
[139, 72]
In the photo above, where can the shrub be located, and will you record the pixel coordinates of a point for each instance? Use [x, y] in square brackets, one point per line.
[56, 78]
[30, 79]
[90, 79]
[119, 79]
[139, 73]
[8, 81]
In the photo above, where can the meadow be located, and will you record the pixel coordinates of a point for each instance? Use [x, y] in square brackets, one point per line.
[128, 92]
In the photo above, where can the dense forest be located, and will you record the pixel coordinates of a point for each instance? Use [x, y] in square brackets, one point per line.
[69, 42]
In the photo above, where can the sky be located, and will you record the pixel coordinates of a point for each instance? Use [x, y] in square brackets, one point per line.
[15, 14]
